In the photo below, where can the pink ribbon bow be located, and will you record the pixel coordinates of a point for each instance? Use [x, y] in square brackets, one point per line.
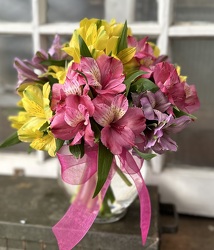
[80, 216]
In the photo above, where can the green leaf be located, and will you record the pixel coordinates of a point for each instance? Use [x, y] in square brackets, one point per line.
[44, 127]
[10, 141]
[122, 44]
[30, 150]
[52, 80]
[145, 156]
[105, 158]
[179, 113]
[77, 150]
[99, 23]
[142, 85]
[84, 51]
[59, 144]
[131, 78]
[51, 62]
[96, 129]
[110, 54]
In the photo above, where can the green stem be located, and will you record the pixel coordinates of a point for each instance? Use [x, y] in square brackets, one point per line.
[105, 210]
[123, 177]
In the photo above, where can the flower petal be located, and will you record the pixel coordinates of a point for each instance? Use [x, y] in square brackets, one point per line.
[30, 130]
[116, 138]
[60, 128]
[119, 106]
[91, 70]
[109, 110]
[33, 101]
[134, 119]
[47, 143]
[111, 75]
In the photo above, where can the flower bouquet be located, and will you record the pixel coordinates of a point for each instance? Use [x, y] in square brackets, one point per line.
[102, 103]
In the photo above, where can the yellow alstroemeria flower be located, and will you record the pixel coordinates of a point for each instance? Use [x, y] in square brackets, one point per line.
[93, 37]
[46, 143]
[18, 121]
[57, 72]
[30, 130]
[100, 37]
[36, 119]
[126, 55]
[155, 48]
[23, 86]
[182, 78]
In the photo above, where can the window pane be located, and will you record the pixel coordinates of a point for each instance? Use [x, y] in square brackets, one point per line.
[15, 10]
[72, 10]
[146, 10]
[12, 46]
[194, 10]
[195, 143]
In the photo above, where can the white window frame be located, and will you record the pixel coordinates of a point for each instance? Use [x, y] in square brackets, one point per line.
[182, 186]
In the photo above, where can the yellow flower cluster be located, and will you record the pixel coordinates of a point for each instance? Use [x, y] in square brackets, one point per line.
[100, 37]
[33, 123]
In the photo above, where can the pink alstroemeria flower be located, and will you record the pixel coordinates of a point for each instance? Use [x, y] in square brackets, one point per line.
[58, 97]
[145, 55]
[73, 85]
[74, 82]
[72, 120]
[104, 75]
[121, 124]
[143, 50]
[167, 79]
[192, 102]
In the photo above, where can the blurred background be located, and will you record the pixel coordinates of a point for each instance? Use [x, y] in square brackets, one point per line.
[184, 29]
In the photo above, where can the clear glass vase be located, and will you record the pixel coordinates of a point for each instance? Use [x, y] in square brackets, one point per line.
[119, 196]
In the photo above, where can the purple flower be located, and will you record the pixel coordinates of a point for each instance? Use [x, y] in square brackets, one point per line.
[151, 102]
[56, 51]
[29, 71]
[158, 135]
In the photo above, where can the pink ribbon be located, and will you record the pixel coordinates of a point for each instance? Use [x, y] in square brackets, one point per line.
[80, 216]
[132, 165]
[77, 171]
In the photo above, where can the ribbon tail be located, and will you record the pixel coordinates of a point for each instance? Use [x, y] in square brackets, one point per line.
[144, 198]
[145, 211]
[80, 216]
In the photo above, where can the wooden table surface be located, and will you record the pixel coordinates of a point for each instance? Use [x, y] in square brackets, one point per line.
[194, 233]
